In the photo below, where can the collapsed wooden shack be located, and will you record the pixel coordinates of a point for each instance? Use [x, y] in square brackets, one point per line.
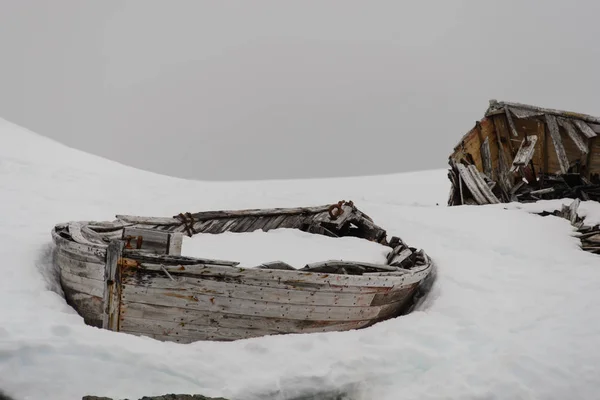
[524, 153]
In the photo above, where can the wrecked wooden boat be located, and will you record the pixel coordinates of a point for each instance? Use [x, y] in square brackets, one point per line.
[524, 153]
[128, 275]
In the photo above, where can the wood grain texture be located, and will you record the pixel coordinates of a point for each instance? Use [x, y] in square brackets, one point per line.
[585, 129]
[558, 144]
[112, 286]
[575, 137]
[525, 153]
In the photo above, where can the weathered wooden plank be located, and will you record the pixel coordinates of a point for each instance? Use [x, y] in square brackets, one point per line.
[394, 296]
[194, 332]
[82, 268]
[543, 160]
[175, 244]
[325, 285]
[484, 189]
[89, 286]
[368, 229]
[575, 137]
[525, 153]
[190, 331]
[368, 266]
[80, 248]
[471, 185]
[274, 222]
[486, 157]
[198, 301]
[158, 221]
[522, 113]
[75, 230]
[221, 320]
[550, 111]
[558, 144]
[503, 170]
[511, 123]
[271, 277]
[151, 240]
[584, 128]
[253, 292]
[542, 191]
[258, 212]
[573, 209]
[112, 288]
[400, 257]
[172, 259]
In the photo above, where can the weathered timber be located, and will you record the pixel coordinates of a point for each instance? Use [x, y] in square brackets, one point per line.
[558, 144]
[525, 153]
[153, 241]
[112, 288]
[585, 129]
[486, 157]
[511, 123]
[575, 137]
[127, 276]
[588, 235]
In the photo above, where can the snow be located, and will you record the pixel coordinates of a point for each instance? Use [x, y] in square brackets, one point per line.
[512, 314]
[588, 210]
[291, 246]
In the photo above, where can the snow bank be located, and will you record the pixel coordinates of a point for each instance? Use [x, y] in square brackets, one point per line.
[588, 210]
[512, 315]
[291, 246]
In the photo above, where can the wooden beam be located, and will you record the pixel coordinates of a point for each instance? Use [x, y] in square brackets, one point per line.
[575, 137]
[471, 184]
[486, 157]
[585, 129]
[558, 144]
[112, 286]
[525, 153]
[511, 123]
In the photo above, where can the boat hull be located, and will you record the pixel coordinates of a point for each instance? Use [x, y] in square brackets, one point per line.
[151, 292]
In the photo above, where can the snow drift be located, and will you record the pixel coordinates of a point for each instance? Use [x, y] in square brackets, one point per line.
[512, 314]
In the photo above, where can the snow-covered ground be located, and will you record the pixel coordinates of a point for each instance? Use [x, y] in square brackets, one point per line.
[291, 246]
[512, 315]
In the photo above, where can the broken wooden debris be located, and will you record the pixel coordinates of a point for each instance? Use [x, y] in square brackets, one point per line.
[588, 235]
[558, 156]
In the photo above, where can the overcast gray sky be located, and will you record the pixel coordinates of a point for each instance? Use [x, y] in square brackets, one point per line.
[287, 89]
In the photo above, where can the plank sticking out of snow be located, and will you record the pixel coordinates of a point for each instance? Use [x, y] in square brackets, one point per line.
[584, 128]
[525, 152]
[563, 161]
[575, 137]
